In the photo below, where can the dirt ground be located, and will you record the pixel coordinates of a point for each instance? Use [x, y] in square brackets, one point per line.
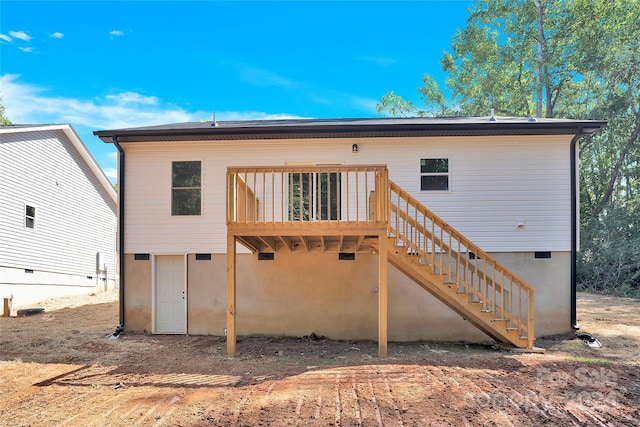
[58, 368]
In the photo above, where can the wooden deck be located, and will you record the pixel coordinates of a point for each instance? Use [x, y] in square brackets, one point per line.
[328, 208]
[308, 208]
[355, 209]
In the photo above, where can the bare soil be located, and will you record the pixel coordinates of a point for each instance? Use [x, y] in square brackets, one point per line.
[58, 368]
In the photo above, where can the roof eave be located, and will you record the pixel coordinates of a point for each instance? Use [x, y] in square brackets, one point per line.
[354, 130]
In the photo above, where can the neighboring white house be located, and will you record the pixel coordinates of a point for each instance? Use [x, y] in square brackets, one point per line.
[190, 190]
[57, 216]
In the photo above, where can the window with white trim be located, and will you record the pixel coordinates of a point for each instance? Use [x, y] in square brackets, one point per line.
[186, 190]
[29, 216]
[434, 174]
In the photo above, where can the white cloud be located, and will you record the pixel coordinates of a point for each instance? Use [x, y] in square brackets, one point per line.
[133, 98]
[56, 35]
[115, 33]
[252, 115]
[365, 103]
[26, 103]
[27, 49]
[20, 35]
[111, 173]
[5, 38]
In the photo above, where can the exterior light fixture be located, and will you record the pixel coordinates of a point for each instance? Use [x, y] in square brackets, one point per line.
[354, 148]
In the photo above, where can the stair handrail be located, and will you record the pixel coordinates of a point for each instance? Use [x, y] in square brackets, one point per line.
[525, 325]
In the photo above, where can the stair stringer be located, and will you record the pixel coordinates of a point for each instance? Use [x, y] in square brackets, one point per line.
[447, 293]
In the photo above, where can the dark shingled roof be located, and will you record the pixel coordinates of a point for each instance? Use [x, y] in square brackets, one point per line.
[350, 128]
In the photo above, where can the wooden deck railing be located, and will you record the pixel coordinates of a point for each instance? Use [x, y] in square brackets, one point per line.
[473, 271]
[361, 198]
[304, 195]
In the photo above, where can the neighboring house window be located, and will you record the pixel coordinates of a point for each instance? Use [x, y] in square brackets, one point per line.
[434, 174]
[186, 188]
[314, 196]
[29, 216]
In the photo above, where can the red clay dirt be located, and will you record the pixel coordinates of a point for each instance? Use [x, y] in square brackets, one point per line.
[58, 368]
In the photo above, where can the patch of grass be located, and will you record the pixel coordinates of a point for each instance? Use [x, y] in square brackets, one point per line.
[582, 359]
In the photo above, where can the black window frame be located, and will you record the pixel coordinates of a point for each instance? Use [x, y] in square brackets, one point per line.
[435, 174]
[30, 217]
[188, 186]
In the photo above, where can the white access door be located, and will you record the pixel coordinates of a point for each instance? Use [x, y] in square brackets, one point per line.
[170, 294]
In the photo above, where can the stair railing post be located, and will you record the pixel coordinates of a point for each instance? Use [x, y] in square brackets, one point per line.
[493, 284]
[379, 194]
[231, 197]
[485, 293]
[387, 196]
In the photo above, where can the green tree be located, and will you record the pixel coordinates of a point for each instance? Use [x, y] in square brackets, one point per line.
[4, 120]
[610, 163]
[610, 52]
[551, 58]
[511, 56]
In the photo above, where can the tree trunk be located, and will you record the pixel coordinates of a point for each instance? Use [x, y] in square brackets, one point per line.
[616, 171]
[540, 58]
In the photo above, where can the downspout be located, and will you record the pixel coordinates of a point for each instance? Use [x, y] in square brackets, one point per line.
[120, 327]
[574, 224]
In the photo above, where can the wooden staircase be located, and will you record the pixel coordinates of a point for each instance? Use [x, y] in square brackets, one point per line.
[458, 273]
[356, 208]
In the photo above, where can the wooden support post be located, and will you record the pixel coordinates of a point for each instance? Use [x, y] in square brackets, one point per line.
[382, 295]
[231, 295]
[6, 311]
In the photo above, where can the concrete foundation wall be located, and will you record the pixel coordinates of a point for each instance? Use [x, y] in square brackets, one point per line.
[137, 294]
[297, 294]
[26, 288]
[551, 279]
[206, 295]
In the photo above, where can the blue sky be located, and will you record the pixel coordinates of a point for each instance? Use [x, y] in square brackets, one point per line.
[114, 64]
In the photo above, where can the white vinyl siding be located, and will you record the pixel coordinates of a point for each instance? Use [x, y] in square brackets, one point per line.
[498, 182]
[75, 216]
